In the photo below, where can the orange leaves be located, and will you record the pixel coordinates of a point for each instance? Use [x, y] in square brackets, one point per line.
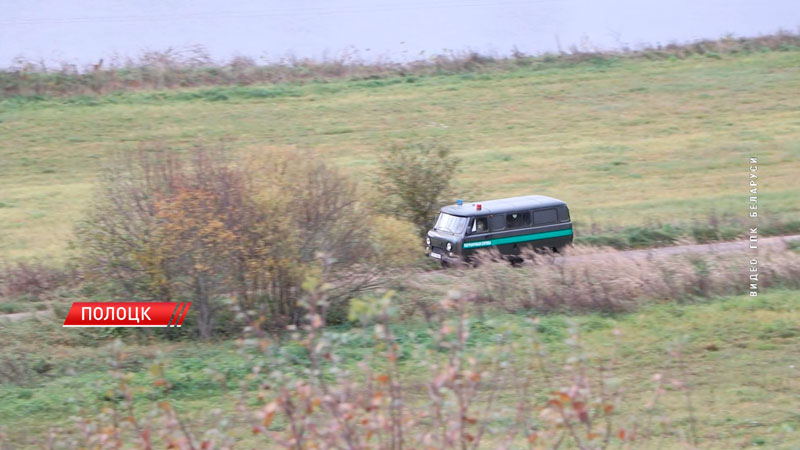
[472, 376]
[193, 219]
[568, 406]
[377, 397]
[553, 403]
[268, 418]
[268, 413]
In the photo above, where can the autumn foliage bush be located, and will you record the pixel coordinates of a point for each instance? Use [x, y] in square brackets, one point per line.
[201, 227]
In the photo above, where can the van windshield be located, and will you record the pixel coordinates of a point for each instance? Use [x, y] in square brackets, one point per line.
[450, 224]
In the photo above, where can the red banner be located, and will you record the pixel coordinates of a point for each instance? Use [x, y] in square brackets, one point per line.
[127, 314]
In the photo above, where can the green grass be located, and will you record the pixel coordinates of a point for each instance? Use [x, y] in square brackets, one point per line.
[626, 142]
[741, 356]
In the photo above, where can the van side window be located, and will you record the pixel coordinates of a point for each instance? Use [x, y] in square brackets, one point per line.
[563, 214]
[478, 225]
[518, 219]
[544, 216]
[497, 222]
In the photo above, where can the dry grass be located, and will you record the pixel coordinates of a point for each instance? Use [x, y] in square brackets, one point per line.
[193, 67]
[611, 281]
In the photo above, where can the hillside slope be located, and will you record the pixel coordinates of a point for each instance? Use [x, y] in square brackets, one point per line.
[623, 142]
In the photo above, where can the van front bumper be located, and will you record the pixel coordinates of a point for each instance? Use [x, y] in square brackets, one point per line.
[443, 257]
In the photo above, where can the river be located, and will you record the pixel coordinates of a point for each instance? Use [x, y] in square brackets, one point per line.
[83, 31]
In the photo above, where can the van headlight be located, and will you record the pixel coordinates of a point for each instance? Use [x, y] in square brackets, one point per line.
[449, 246]
[428, 241]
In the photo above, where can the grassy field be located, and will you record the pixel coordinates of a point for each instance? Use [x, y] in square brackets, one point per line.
[623, 142]
[740, 353]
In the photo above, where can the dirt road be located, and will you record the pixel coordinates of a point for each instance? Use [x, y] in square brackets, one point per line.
[775, 242]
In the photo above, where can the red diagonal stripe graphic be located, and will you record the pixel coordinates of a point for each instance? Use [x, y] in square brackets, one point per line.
[177, 314]
[185, 310]
[174, 313]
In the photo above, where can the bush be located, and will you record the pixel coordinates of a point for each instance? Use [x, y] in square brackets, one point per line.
[414, 181]
[33, 280]
[201, 228]
[396, 241]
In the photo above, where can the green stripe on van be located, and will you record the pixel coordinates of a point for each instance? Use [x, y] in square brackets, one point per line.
[523, 238]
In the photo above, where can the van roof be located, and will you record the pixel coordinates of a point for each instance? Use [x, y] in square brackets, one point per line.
[502, 206]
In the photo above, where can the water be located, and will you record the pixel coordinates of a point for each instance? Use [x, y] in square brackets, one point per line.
[82, 31]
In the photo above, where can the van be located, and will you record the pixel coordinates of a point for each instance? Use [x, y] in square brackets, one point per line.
[508, 225]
